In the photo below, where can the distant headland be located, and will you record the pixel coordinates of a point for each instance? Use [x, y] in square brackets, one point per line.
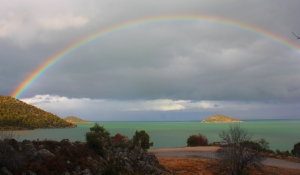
[219, 118]
[18, 115]
[74, 119]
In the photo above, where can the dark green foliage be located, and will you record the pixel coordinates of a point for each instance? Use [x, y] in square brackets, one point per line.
[261, 145]
[94, 138]
[197, 140]
[114, 167]
[100, 130]
[141, 138]
[283, 153]
[15, 114]
[296, 150]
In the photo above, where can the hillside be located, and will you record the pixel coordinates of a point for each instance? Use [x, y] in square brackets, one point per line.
[74, 119]
[17, 115]
[219, 118]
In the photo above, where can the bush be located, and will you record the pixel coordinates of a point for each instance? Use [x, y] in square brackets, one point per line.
[241, 153]
[94, 138]
[296, 150]
[118, 137]
[120, 141]
[197, 140]
[114, 167]
[141, 138]
[261, 145]
[283, 153]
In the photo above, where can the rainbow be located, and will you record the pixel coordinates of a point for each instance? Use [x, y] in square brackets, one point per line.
[25, 84]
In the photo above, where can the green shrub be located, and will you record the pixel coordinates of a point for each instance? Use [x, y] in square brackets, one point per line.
[100, 130]
[255, 146]
[282, 153]
[114, 167]
[94, 137]
[141, 138]
[296, 150]
[197, 140]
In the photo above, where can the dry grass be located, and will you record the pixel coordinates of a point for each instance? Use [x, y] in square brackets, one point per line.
[196, 166]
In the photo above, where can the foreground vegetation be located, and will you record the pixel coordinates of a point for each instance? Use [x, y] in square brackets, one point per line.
[104, 154]
[100, 155]
[17, 115]
[241, 154]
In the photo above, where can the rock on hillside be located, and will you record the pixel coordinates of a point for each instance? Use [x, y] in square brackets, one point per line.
[220, 119]
[74, 119]
[17, 115]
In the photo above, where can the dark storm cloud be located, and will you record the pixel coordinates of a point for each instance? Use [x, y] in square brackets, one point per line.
[171, 60]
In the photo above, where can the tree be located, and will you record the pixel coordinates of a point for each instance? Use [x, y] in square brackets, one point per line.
[239, 155]
[94, 138]
[141, 138]
[296, 150]
[197, 140]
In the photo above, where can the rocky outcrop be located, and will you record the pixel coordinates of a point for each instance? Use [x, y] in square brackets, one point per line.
[219, 118]
[66, 157]
[41, 155]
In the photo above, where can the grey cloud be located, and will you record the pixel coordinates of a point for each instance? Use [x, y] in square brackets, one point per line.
[174, 60]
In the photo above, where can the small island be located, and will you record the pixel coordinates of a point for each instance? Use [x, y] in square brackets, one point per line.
[74, 119]
[219, 118]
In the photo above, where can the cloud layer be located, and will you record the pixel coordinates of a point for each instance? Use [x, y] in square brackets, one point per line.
[162, 66]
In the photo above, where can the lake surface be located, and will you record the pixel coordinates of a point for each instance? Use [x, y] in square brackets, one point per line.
[281, 134]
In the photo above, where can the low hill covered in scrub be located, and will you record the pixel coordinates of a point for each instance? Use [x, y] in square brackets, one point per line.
[18, 115]
[74, 119]
[219, 118]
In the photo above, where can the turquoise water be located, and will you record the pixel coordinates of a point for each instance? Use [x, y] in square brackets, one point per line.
[281, 134]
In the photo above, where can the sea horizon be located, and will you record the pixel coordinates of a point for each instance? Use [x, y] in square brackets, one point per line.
[187, 120]
[281, 134]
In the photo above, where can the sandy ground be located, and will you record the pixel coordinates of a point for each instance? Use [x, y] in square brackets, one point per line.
[208, 152]
[187, 149]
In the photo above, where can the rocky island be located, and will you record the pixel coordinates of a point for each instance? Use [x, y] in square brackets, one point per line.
[74, 119]
[219, 118]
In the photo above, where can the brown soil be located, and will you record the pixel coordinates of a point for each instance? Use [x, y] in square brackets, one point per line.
[196, 166]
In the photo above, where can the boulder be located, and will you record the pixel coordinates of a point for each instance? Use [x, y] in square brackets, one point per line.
[27, 147]
[41, 155]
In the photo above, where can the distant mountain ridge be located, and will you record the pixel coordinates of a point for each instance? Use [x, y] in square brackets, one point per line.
[18, 115]
[74, 119]
[219, 118]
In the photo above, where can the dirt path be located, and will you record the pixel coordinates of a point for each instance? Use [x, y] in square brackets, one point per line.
[208, 152]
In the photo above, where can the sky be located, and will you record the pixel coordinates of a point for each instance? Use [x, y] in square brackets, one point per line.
[159, 70]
